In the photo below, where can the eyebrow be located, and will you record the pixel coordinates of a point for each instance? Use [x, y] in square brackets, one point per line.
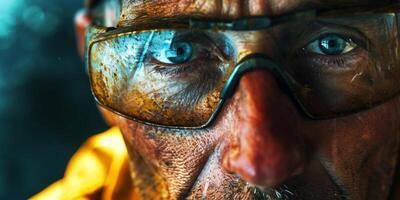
[246, 23]
[140, 8]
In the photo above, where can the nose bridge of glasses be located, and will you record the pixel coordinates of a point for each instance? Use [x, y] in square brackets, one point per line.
[252, 62]
[254, 50]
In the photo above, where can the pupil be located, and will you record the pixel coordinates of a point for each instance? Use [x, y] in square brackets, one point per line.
[180, 51]
[183, 52]
[332, 45]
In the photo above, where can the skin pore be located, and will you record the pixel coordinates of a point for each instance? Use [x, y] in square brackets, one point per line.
[261, 146]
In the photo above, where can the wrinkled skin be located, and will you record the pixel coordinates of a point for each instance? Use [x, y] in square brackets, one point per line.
[260, 140]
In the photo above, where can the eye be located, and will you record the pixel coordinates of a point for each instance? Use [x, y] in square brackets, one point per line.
[177, 53]
[331, 44]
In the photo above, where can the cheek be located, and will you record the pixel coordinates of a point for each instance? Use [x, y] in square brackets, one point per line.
[166, 144]
[359, 148]
[136, 139]
[357, 135]
[175, 156]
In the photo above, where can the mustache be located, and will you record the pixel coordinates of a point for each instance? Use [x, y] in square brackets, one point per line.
[282, 193]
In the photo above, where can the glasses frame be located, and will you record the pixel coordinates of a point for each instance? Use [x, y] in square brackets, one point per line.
[95, 34]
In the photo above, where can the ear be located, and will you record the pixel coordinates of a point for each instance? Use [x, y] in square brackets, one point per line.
[82, 20]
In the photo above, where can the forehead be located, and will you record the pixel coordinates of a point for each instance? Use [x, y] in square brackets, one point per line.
[134, 9]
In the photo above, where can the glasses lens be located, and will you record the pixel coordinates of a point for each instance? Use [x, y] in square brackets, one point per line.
[347, 63]
[166, 77]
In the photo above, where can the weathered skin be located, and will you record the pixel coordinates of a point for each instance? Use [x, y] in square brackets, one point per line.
[260, 138]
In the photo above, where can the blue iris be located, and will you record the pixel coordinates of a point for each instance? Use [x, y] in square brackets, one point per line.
[180, 52]
[332, 44]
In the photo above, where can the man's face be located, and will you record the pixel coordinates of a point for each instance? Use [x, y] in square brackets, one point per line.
[261, 146]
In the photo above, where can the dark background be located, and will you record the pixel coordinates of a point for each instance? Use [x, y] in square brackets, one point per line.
[46, 109]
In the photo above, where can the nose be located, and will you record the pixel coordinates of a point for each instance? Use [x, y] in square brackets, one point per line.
[266, 147]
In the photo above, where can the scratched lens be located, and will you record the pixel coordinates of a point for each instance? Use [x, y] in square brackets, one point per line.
[164, 77]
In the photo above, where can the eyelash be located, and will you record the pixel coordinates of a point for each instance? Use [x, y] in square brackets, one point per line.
[327, 62]
[205, 48]
[331, 61]
[176, 70]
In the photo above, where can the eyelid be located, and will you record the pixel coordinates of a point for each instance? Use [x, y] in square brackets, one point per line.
[203, 44]
[214, 43]
[315, 43]
[316, 30]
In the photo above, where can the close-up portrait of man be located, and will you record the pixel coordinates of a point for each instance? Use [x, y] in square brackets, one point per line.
[239, 99]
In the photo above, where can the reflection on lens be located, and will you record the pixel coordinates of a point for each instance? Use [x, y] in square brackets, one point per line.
[132, 76]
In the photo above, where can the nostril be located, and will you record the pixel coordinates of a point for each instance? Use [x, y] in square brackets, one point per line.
[230, 153]
[263, 171]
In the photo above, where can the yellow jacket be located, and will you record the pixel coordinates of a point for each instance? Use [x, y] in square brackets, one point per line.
[98, 170]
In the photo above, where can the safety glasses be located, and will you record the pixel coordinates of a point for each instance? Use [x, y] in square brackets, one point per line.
[178, 73]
